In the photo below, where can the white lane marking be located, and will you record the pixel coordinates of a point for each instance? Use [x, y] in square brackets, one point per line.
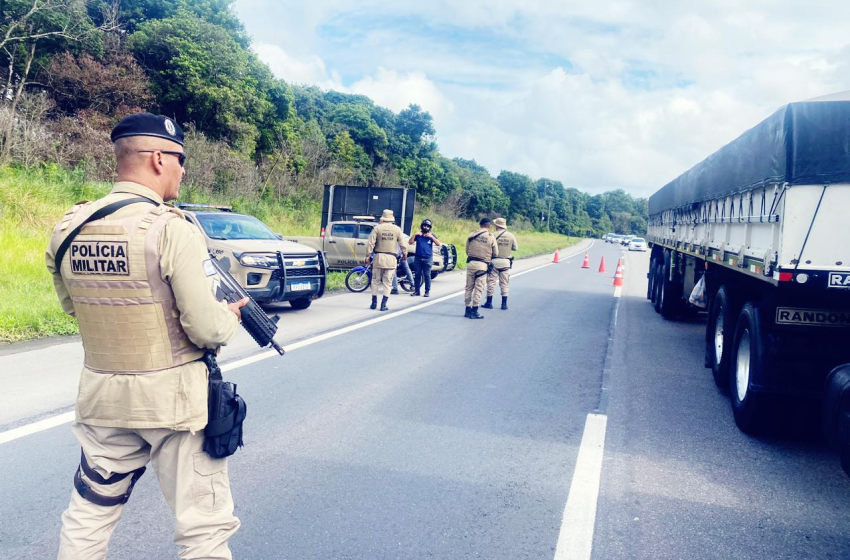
[36, 427]
[67, 417]
[575, 541]
[618, 291]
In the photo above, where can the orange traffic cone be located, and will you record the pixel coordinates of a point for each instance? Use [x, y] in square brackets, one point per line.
[618, 276]
[602, 265]
[557, 257]
[586, 263]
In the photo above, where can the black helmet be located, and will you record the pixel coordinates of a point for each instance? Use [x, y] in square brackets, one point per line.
[426, 223]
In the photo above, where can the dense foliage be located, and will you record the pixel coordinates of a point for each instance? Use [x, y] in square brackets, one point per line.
[92, 61]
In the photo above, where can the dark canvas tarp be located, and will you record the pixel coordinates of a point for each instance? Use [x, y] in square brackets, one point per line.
[801, 143]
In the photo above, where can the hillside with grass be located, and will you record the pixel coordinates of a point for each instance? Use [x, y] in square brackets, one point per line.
[32, 201]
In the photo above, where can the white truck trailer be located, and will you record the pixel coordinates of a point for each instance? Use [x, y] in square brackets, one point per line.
[765, 220]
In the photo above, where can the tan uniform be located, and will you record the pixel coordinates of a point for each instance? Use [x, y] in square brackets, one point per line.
[506, 242]
[385, 241]
[137, 283]
[480, 250]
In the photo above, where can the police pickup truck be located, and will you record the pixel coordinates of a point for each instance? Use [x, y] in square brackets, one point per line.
[271, 269]
[344, 244]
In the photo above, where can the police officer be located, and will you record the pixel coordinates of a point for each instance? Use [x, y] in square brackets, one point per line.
[424, 256]
[480, 250]
[385, 243]
[137, 282]
[502, 264]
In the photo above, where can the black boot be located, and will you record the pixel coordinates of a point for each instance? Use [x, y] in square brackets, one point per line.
[394, 291]
[427, 293]
[374, 303]
[414, 294]
[473, 314]
[384, 304]
[504, 302]
[489, 303]
[468, 310]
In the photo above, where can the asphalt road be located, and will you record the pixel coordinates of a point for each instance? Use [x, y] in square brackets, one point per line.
[427, 435]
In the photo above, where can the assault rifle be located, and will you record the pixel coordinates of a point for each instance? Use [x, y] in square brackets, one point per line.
[254, 319]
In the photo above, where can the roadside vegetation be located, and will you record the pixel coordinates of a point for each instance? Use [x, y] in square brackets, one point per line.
[32, 201]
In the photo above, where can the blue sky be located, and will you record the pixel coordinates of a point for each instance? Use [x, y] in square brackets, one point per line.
[598, 95]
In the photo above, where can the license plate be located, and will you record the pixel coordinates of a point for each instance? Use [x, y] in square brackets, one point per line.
[299, 287]
[839, 280]
[812, 317]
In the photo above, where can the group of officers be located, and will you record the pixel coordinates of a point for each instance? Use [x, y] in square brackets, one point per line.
[146, 326]
[489, 260]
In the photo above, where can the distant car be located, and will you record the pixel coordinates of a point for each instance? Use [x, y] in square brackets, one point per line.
[607, 237]
[613, 238]
[637, 244]
[626, 239]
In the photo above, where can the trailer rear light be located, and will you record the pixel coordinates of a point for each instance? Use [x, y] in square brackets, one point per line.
[322, 235]
[802, 278]
[785, 276]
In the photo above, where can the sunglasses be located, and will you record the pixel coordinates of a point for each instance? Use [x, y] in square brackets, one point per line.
[181, 156]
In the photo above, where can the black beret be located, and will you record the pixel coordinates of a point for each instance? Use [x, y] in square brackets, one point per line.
[147, 124]
[485, 222]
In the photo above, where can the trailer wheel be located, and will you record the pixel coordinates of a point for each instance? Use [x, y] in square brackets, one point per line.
[657, 283]
[668, 293]
[720, 331]
[650, 284]
[752, 410]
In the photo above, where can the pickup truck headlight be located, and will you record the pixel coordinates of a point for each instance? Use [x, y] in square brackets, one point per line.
[259, 260]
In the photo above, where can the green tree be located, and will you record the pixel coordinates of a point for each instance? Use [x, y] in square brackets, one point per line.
[201, 75]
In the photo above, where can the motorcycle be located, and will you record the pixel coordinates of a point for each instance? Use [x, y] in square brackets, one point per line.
[359, 278]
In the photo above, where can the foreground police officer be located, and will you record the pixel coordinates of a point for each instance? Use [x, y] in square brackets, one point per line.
[502, 264]
[480, 250]
[137, 282]
[385, 242]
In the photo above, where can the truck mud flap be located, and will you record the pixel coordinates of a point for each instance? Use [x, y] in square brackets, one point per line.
[449, 254]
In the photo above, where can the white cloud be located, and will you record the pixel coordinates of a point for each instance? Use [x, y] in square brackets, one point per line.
[622, 93]
[395, 91]
[309, 69]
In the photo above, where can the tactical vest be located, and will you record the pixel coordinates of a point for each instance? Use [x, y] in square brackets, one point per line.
[479, 247]
[388, 239]
[127, 314]
[505, 242]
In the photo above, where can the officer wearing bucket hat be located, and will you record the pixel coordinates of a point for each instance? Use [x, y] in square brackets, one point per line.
[385, 242]
[135, 274]
[502, 264]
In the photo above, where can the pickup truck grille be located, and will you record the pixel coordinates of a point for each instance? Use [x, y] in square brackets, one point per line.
[295, 273]
[309, 268]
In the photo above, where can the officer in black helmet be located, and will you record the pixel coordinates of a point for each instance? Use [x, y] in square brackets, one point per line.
[423, 259]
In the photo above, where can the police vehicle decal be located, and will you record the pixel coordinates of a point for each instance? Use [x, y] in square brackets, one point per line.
[812, 317]
[100, 257]
[839, 280]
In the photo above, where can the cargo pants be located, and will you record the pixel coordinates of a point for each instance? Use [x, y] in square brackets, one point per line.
[382, 281]
[504, 279]
[194, 484]
[476, 283]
